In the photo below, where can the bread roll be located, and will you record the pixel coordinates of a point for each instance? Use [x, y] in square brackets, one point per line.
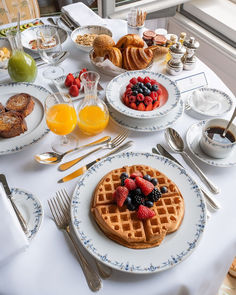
[101, 43]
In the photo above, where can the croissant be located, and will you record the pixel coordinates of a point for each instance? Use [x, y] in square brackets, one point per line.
[114, 55]
[101, 43]
[136, 58]
[130, 39]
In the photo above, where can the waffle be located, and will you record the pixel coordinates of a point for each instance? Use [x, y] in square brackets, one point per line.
[122, 225]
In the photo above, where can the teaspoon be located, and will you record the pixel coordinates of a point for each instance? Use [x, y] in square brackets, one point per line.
[54, 158]
[230, 121]
[176, 143]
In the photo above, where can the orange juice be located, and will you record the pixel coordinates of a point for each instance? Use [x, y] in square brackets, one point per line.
[61, 119]
[92, 119]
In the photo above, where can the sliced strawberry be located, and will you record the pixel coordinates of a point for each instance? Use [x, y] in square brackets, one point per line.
[77, 82]
[141, 107]
[133, 106]
[133, 81]
[145, 185]
[148, 107]
[156, 104]
[74, 90]
[136, 174]
[140, 97]
[69, 80]
[130, 184]
[140, 79]
[121, 194]
[147, 80]
[144, 212]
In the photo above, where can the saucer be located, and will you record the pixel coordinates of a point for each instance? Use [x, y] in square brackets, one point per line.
[30, 208]
[151, 125]
[193, 137]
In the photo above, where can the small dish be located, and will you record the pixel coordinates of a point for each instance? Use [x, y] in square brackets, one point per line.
[30, 208]
[193, 137]
[210, 102]
[98, 30]
[4, 43]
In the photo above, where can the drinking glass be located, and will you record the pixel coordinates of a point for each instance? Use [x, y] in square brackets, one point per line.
[61, 119]
[50, 50]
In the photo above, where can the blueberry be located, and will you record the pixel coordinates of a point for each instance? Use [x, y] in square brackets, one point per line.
[147, 177]
[131, 207]
[146, 92]
[135, 92]
[149, 204]
[122, 182]
[148, 85]
[154, 181]
[154, 87]
[128, 201]
[141, 85]
[138, 191]
[135, 87]
[124, 175]
[164, 189]
[140, 90]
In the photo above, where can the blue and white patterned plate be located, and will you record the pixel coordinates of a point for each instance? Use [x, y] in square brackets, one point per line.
[30, 208]
[36, 122]
[192, 139]
[151, 125]
[117, 86]
[175, 247]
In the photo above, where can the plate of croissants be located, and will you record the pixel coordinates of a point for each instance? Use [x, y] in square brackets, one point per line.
[128, 54]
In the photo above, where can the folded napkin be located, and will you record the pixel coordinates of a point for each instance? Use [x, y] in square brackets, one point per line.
[13, 240]
[206, 102]
[82, 15]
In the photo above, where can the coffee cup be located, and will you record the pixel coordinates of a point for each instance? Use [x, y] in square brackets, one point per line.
[213, 143]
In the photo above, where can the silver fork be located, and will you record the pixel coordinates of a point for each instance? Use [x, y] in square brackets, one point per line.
[60, 209]
[110, 145]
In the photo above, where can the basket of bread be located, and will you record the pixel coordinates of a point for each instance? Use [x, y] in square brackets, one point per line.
[128, 54]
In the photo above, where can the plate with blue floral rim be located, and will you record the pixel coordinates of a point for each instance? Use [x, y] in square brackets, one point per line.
[193, 136]
[117, 86]
[175, 247]
[151, 125]
[30, 208]
[36, 123]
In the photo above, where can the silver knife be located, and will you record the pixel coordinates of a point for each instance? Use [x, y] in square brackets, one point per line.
[68, 20]
[83, 169]
[9, 195]
[209, 198]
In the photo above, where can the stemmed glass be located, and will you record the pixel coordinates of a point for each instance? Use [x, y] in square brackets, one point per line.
[50, 50]
[61, 119]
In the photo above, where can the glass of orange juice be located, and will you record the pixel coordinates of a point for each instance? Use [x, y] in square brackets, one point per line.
[61, 119]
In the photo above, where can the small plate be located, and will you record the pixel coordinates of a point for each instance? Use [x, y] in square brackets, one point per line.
[169, 100]
[219, 103]
[4, 43]
[193, 137]
[30, 208]
[151, 125]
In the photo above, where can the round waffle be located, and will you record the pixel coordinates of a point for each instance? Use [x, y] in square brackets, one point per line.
[122, 225]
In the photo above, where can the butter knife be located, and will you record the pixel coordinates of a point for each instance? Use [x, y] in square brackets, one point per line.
[166, 154]
[83, 169]
[9, 195]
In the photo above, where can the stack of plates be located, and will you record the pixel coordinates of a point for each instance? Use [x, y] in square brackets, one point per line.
[169, 111]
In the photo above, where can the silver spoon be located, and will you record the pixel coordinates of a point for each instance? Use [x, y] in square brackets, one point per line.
[230, 121]
[54, 158]
[52, 21]
[176, 143]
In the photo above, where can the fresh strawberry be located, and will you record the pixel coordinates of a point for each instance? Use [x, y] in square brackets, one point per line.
[141, 107]
[153, 82]
[144, 212]
[156, 104]
[140, 79]
[133, 81]
[136, 174]
[145, 185]
[132, 98]
[74, 90]
[148, 107]
[81, 72]
[154, 95]
[147, 80]
[159, 91]
[69, 80]
[140, 97]
[130, 184]
[147, 100]
[121, 194]
[77, 82]
[133, 105]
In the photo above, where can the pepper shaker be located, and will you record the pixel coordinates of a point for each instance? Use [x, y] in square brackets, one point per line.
[175, 65]
[189, 59]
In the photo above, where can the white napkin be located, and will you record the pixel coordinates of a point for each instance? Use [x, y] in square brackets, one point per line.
[82, 15]
[206, 102]
[12, 238]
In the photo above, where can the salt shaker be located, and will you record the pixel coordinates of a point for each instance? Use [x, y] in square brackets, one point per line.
[175, 65]
[189, 59]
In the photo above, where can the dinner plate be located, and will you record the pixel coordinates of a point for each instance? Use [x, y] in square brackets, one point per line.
[36, 122]
[30, 208]
[169, 98]
[175, 247]
[193, 136]
[151, 125]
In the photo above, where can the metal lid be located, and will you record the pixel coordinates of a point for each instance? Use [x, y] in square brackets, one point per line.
[178, 48]
[191, 43]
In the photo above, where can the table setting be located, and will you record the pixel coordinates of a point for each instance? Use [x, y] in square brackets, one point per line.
[117, 156]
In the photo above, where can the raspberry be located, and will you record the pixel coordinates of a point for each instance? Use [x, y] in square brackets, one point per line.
[159, 91]
[154, 95]
[133, 106]
[130, 85]
[140, 79]
[144, 212]
[130, 184]
[146, 186]
[141, 107]
[147, 100]
[136, 174]
[153, 82]
[121, 194]
[133, 81]
[147, 80]
[126, 100]
[140, 97]
[132, 98]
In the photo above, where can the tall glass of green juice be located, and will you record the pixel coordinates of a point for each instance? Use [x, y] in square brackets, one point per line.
[21, 66]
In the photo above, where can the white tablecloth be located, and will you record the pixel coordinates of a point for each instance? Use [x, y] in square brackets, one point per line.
[49, 265]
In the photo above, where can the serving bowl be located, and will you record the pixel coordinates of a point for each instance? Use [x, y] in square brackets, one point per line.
[93, 29]
[169, 98]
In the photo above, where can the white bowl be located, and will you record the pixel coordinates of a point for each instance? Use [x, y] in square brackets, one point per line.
[117, 85]
[89, 30]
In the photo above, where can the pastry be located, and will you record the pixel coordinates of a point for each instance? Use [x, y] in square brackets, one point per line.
[12, 124]
[124, 225]
[232, 270]
[159, 51]
[136, 58]
[114, 55]
[22, 103]
[130, 40]
[2, 109]
[101, 43]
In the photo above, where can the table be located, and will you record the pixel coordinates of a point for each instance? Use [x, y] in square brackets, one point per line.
[49, 265]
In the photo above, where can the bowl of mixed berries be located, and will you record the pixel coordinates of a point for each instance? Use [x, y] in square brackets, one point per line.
[142, 94]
